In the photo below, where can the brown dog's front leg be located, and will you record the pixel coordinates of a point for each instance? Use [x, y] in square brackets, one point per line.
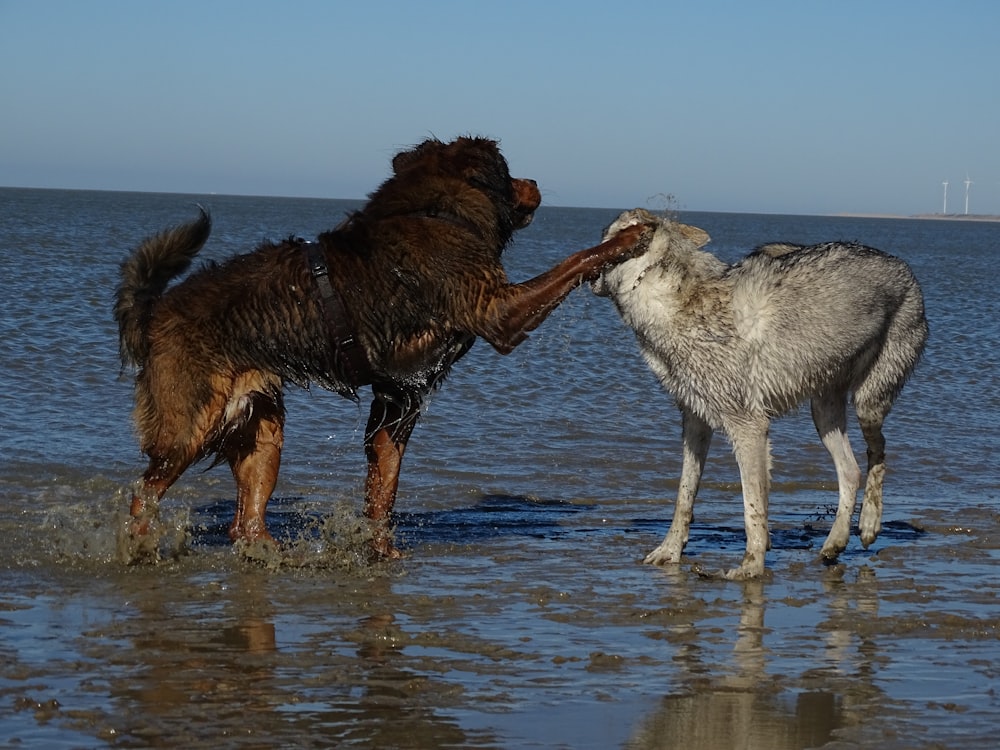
[390, 423]
[518, 309]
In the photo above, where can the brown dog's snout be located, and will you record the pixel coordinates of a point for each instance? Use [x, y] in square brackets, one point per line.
[527, 198]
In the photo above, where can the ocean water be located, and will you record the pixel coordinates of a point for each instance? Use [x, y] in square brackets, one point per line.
[533, 486]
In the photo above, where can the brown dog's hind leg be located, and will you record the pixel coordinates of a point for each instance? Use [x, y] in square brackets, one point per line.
[139, 538]
[163, 471]
[520, 308]
[390, 423]
[252, 446]
[256, 474]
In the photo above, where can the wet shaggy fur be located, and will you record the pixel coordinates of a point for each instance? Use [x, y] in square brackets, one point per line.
[419, 273]
[738, 345]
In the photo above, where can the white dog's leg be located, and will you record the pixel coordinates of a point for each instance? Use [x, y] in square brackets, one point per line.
[870, 523]
[829, 413]
[697, 438]
[753, 454]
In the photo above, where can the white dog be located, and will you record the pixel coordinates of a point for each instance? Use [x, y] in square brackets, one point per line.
[738, 345]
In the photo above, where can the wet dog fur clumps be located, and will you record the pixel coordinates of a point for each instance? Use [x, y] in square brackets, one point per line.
[391, 299]
[737, 345]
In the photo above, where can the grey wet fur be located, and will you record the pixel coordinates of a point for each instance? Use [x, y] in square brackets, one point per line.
[737, 345]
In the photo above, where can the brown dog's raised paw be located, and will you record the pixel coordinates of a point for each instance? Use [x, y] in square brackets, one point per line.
[645, 239]
[632, 242]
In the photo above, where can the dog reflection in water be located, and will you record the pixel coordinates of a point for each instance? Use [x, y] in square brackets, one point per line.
[738, 345]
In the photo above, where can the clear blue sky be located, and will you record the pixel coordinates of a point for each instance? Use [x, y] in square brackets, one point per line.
[798, 107]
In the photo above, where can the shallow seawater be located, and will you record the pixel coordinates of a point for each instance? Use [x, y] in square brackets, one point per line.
[513, 623]
[534, 485]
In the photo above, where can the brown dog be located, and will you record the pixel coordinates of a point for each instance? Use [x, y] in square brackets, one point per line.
[391, 298]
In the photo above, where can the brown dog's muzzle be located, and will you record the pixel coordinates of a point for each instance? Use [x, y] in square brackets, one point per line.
[526, 200]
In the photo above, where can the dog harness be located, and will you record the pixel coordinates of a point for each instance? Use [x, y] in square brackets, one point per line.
[348, 358]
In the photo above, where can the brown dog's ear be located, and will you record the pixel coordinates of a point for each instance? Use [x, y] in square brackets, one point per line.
[406, 159]
[402, 160]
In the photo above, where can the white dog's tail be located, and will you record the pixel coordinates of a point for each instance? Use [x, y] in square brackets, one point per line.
[901, 350]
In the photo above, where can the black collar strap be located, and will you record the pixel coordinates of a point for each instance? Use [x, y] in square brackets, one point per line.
[349, 360]
[454, 219]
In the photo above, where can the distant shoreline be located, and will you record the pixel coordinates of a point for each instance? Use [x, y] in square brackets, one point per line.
[851, 215]
[933, 217]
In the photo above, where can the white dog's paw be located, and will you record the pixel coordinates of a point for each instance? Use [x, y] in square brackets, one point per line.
[743, 573]
[666, 554]
[870, 524]
[751, 568]
[836, 541]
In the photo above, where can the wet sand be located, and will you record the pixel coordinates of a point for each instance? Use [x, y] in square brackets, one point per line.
[513, 623]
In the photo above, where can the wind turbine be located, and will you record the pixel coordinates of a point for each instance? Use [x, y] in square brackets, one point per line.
[967, 183]
[945, 209]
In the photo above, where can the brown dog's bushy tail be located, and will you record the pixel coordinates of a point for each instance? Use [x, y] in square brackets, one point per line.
[145, 274]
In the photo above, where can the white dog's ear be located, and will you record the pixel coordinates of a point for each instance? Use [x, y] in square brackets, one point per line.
[695, 236]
